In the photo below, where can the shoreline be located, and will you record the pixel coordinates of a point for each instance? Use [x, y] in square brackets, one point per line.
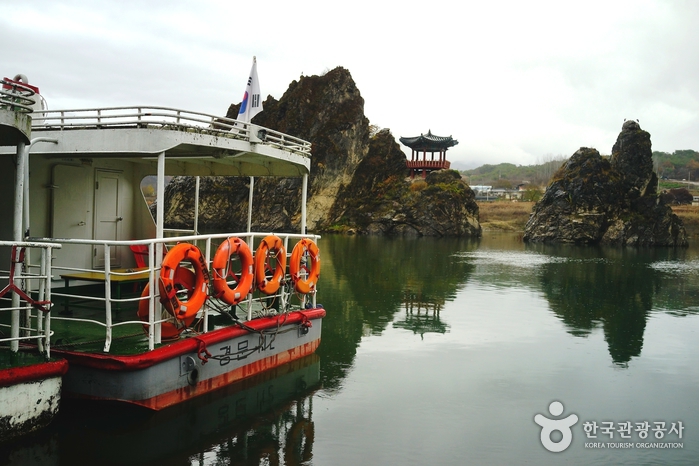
[513, 216]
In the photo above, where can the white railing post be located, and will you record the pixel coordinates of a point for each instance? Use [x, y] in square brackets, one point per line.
[107, 298]
[151, 296]
[46, 272]
[207, 257]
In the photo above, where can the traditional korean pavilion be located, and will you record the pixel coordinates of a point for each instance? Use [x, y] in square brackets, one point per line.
[428, 143]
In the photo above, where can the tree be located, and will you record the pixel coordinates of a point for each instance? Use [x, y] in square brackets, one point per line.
[532, 194]
[692, 167]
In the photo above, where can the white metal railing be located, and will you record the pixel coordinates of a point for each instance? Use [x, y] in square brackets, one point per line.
[167, 118]
[28, 295]
[254, 305]
[16, 96]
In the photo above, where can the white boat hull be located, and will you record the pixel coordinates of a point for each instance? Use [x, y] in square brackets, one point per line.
[183, 370]
[30, 401]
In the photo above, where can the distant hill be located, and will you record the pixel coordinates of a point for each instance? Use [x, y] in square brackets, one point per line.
[679, 165]
[508, 175]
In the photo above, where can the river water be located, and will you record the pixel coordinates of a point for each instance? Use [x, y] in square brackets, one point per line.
[443, 352]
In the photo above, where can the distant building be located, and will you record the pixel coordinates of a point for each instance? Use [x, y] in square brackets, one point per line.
[428, 143]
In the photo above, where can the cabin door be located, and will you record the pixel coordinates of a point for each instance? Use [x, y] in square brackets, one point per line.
[71, 213]
[107, 215]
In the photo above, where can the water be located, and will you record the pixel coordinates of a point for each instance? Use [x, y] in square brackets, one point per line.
[442, 352]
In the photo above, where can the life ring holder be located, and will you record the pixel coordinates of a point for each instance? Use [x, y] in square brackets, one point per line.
[184, 279]
[297, 269]
[220, 271]
[273, 245]
[183, 252]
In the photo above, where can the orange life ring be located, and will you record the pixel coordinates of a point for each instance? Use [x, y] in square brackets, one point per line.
[184, 279]
[297, 267]
[271, 246]
[221, 271]
[183, 252]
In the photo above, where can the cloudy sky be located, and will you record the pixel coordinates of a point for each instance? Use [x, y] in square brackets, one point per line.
[513, 81]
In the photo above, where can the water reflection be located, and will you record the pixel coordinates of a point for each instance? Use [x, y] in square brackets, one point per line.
[616, 295]
[381, 293]
[422, 315]
[609, 288]
[261, 420]
[587, 288]
[366, 282]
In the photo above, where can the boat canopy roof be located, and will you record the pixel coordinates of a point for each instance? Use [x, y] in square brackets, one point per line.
[194, 143]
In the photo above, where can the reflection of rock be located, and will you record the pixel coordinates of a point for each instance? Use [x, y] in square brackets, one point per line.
[616, 295]
[595, 200]
[422, 315]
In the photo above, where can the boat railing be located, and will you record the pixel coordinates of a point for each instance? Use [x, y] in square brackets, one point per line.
[165, 118]
[114, 305]
[16, 97]
[26, 297]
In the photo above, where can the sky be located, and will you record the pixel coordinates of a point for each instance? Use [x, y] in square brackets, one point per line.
[513, 81]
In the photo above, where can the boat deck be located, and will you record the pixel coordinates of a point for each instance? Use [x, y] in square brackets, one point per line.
[193, 143]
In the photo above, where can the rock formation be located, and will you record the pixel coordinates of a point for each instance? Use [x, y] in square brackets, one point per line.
[357, 180]
[379, 200]
[598, 200]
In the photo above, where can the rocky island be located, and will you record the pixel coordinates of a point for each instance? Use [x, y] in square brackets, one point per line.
[358, 181]
[607, 200]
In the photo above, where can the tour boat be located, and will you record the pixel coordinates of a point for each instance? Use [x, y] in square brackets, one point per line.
[145, 315]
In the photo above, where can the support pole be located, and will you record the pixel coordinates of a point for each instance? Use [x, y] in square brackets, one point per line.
[196, 205]
[160, 206]
[159, 228]
[17, 236]
[304, 197]
[252, 185]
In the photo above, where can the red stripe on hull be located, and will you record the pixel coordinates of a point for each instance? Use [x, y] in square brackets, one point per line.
[32, 372]
[188, 345]
[206, 386]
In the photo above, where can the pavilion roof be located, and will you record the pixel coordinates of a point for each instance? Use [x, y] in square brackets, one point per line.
[429, 142]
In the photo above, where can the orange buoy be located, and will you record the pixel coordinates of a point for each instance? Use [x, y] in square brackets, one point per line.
[185, 280]
[271, 247]
[221, 271]
[183, 252]
[305, 280]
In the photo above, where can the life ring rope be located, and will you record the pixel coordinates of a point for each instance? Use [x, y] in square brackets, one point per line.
[184, 280]
[221, 271]
[183, 252]
[271, 247]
